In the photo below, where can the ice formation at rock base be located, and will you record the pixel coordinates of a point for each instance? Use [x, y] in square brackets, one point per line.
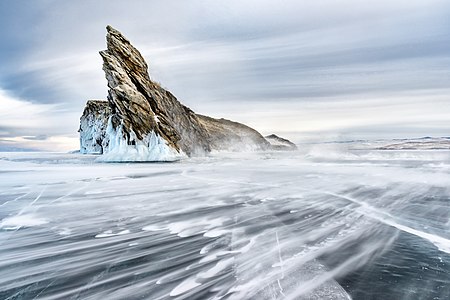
[151, 148]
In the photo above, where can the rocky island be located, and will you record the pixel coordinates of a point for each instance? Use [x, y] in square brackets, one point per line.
[141, 121]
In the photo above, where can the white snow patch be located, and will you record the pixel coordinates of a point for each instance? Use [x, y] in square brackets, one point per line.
[216, 232]
[218, 254]
[109, 233]
[193, 227]
[219, 267]
[154, 227]
[185, 286]
[18, 221]
[94, 192]
[64, 231]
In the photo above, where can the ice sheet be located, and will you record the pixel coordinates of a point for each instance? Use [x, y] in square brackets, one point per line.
[230, 226]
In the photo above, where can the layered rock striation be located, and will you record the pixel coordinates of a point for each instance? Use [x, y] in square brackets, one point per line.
[142, 121]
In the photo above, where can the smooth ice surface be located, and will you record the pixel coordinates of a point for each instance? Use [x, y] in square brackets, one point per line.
[326, 222]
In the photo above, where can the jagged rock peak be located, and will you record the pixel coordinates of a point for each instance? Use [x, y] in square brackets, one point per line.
[141, 107]
[128, 56]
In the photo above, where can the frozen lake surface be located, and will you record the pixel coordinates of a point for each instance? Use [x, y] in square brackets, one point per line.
[321, 223]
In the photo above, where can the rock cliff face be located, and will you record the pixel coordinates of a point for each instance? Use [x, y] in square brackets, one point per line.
[141, 121]
[93, 123]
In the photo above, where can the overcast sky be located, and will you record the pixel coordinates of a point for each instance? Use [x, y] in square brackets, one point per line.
[328, 69]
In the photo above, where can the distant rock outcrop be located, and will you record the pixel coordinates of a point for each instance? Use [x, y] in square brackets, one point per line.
[142, 121]
[232, 136]
[279, 143]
